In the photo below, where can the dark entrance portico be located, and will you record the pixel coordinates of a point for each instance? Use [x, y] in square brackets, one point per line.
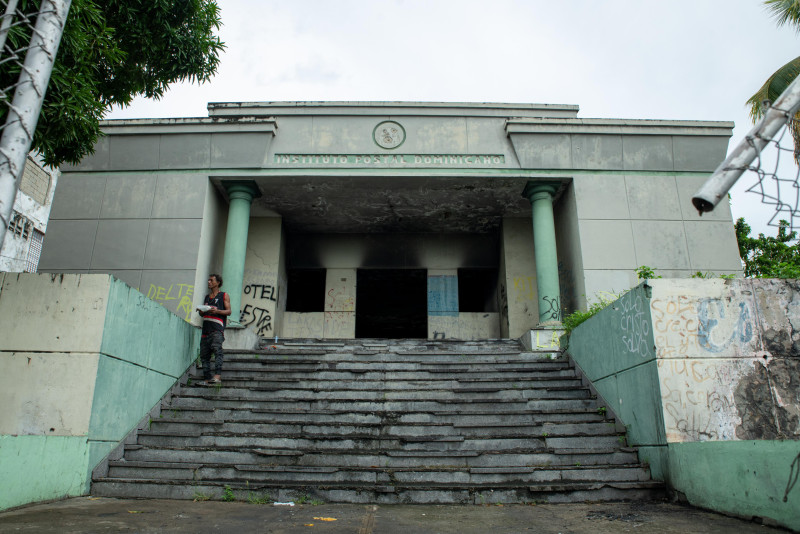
[391, 304]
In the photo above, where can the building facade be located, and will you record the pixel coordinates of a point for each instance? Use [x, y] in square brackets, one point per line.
[22, 246]
[392, 219]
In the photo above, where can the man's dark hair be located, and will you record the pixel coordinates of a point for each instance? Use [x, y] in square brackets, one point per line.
[218, 277]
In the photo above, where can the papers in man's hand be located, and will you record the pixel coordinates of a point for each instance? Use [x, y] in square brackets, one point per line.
[203, 308]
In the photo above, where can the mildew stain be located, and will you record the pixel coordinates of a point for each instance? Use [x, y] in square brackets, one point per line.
[767, 400]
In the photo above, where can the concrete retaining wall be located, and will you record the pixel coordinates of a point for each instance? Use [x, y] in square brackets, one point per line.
[704, 374]
[85, 357]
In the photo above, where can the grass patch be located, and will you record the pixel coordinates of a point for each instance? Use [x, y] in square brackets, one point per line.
[307, 499]
[255, 498]
[571, 321]
[200, 496]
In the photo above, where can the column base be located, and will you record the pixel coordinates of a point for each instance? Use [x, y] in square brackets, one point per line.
[544, 340]
[551, 325]
[237, 337]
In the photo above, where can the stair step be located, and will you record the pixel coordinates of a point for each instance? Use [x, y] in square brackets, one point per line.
[388, 494]
[431, 476]
[455, 385]
[287, 375]
[439, 405]
[366, 442]
[275, 416]
[382, 428]
[389, 459]
[407, 394]
[368, 421]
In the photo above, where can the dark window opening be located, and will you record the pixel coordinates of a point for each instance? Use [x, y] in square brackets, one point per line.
[477, 290]
[392, 303]
[305, 290]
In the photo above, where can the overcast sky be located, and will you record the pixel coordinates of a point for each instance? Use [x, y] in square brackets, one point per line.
[632, 59]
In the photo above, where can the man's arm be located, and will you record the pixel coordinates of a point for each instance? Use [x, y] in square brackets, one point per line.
[227, 311]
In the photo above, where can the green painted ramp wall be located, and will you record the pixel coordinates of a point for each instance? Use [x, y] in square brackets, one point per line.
[703, 373]
[85, 358]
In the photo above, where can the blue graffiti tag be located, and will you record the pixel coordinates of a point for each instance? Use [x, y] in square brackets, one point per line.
[743, 332]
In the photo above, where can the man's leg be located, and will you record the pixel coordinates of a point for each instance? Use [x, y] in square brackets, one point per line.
[205, 356]
[216, 345]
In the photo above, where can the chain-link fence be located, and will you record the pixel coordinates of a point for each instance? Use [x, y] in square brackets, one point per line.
[30, 33]
[768, 154]
[775, 176]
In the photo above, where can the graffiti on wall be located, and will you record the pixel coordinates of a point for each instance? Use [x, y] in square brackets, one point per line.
[261, 291]
[728, 399]
[259, 319]
[297, 324]
[685, 325]
[177, 297]
[259, 298]
[794, 474]
[340, 324]
[547, 339]
[716, 381]
[714, 333]
[524, 288]
[340, 299]
[444, 327]
[674, 325]
[698, 398]
[635, 324]
[552, 311]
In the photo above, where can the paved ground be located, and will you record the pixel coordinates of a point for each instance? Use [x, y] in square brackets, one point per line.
[93, 514]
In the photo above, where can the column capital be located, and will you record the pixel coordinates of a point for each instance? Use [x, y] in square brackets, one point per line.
[536, 188]
[246, 190]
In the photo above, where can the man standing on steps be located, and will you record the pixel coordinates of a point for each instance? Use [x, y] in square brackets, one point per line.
[215, 311]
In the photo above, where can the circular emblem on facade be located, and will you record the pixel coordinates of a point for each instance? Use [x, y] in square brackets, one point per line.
[389, 134]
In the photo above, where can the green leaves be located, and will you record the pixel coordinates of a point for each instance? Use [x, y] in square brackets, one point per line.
[643, 272]
[112, 51]
[768, 257]
[571, 321]
[772, 88]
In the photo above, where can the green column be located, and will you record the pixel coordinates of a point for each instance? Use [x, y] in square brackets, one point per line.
[540, 195]
[241, 195]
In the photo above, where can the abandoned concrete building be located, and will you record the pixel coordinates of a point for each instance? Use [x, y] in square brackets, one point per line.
[338, 226]
[391, 219]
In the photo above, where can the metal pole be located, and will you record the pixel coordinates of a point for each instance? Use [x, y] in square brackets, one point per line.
[7, 18]
[23, 112]
[719, 183]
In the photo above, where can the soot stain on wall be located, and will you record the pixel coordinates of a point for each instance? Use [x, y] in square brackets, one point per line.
[779, 316]
[765, 399]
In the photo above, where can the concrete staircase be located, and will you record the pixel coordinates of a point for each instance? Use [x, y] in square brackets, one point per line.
[383, 422]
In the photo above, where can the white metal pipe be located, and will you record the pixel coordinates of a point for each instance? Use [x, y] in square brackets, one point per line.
[719, 183]
[8, 16]
[23, 112]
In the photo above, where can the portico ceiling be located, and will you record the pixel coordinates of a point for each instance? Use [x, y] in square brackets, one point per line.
[376, 204]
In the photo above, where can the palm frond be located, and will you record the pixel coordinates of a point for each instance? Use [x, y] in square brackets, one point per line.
[785, 12]
[773, 88]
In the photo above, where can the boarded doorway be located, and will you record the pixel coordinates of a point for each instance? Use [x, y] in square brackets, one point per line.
[391, 303]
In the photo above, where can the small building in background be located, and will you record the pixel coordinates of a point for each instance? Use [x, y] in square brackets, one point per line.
[22, 246]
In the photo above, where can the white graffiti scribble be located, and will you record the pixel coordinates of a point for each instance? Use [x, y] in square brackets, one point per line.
[634, 324]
